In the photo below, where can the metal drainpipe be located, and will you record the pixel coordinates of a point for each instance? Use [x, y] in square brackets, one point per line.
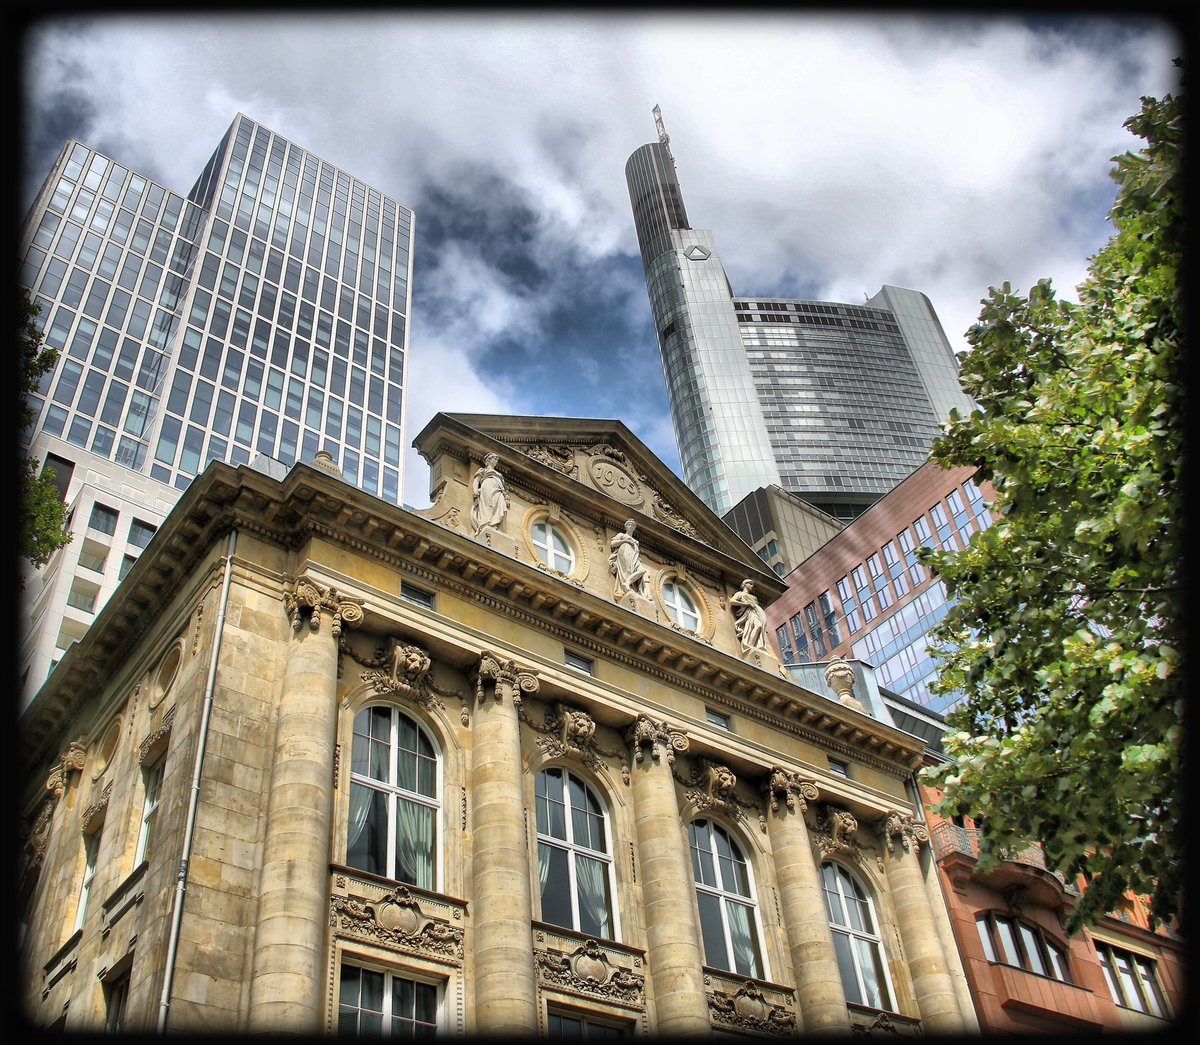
[181, 879]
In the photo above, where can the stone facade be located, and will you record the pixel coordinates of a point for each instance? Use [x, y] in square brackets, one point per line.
[312, 745]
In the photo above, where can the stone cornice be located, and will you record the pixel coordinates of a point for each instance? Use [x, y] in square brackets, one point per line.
[311, 504]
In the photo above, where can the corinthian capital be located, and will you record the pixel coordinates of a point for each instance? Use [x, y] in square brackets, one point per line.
[304, 595]
[657, 736]
[779, 785]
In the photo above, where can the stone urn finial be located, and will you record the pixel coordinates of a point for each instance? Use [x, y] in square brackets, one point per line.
[323, 459]
[840, 677]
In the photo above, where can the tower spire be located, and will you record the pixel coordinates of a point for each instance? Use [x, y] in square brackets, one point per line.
[663, 137]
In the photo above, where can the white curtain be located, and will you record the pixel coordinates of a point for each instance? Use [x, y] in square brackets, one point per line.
[745, 960]
[590, 875]
[414, 842]
[360, 806]
[867, 958]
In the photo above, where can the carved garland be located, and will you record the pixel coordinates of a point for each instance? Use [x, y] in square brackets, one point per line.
[748, 1010]
[397, 922]
[588, 972]
[570, 732]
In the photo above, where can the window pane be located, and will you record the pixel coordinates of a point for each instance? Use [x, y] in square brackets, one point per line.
[845, 957]
[366, 846]
[555, 885]
[713, 931]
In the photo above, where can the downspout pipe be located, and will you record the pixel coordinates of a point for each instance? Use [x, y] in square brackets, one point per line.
[194, 801]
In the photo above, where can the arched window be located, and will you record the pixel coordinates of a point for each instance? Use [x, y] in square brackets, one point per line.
[726, 900]
[392, 827]
[855, 938]
[552, 546]
[681, 606]
[574, 866]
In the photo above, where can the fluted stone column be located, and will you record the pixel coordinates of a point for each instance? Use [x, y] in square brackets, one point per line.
[932, 982]
[287, 978]
[501, 903]
[674, 955]
[819, 992]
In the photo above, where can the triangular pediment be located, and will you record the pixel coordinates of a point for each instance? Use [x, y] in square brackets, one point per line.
[604, 463]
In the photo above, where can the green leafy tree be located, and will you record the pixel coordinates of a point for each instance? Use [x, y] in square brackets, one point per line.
[44, 515]
[1064, 632]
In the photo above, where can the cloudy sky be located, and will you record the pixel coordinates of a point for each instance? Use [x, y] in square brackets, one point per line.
[830, 155]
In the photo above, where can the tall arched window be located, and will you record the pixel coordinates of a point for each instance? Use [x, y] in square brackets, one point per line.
[392, 827]
[552, 546]
[855, 938]
[726, 899]
[681, 606]
[574, 866]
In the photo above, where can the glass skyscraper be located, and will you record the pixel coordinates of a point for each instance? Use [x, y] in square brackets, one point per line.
[836, 403]
[265, 313]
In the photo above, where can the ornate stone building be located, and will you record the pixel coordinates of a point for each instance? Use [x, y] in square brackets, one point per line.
[522, 762]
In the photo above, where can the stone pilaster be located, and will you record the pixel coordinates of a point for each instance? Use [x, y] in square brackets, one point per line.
[501, 901]
[287, 978]
[819, 993]
[674, 955]
[932, 982]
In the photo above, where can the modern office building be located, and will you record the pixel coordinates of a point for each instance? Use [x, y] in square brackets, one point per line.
[518, 763]
[781, 527]
[264, 314]
[862, 595]
[834, 402]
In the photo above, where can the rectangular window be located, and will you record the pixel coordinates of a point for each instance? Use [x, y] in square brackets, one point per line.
[126, 565]
[829, 616]
[573, 1025]
[942, 525]
[896, 569]
[849, 605]
[140, 533]
[574, 660]
[879, 582]
[116, 994]
[801, 639]
[718, 719]
[416, 596]
[916, 571]
[103, 519]
[785, 645]
[865, 599]
[815, 630]
[91, 846]
[378, 1004]
[154, 779]
[1132, 980]
[839, 768]
[924, 535]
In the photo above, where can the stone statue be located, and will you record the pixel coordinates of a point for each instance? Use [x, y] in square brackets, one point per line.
[750, 619]
[489, 504]
[625, 563]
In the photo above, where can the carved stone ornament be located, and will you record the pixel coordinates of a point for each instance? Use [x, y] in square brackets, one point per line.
[912, 833]
[780, 785]
[305, 595]
[93, 816]
[665, 512]
[748, 1009]
[570, 732]
[71, 761]
[835, 829]
[406, 672]
[657, 736]
[397, 922]
[156, 740]
[611, 473]
[840, 677]
[587, 971]
[508, 681]
[713, 786]
[560, 458]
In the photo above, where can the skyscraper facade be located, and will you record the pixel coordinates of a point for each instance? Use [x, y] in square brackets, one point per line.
[263, 314]
[834, 402]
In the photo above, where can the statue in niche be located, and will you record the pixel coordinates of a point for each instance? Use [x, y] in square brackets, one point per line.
[489, 502]
[625, 563]
[750, 620]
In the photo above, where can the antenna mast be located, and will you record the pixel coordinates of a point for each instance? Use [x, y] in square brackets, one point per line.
[663, 137]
